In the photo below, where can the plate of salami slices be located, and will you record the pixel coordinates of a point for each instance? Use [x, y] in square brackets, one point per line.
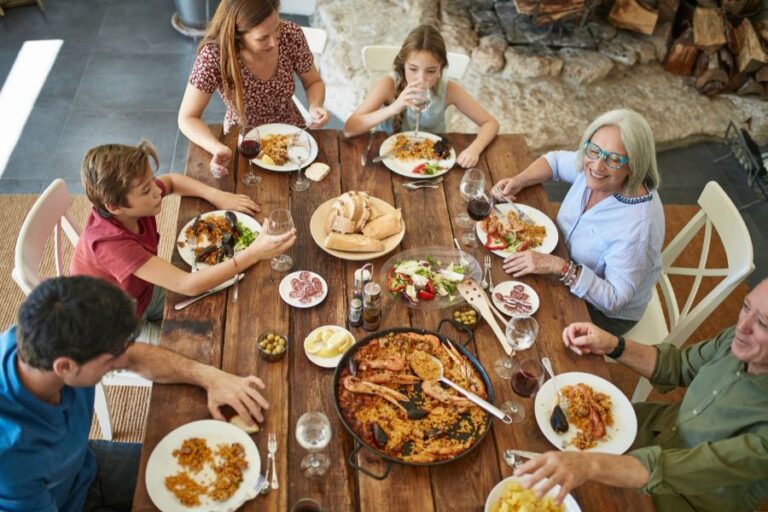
[303, 289]
[514, 298]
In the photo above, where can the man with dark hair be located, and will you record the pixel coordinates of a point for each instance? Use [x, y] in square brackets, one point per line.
[70, 332]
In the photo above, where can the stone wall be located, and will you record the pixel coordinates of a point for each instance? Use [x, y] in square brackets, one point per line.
[549, 96]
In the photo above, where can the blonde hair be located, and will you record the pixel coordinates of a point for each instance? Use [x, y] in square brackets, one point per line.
[109, 171]
[232, 19]
[424, 38]
[637, 138]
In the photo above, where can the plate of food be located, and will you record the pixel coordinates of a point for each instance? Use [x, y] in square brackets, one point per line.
[303, 289]
[600, 416]
[504, 233]
[427, 277]
[219, 234]
[275, 140]
[514, 298]
[325, 345]
[510, 495]
[429, 157]
[357, 226]
[205, 465]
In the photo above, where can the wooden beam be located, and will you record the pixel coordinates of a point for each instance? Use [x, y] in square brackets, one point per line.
[708, 28]
[630, 15]
[682, 55]
[751, 56]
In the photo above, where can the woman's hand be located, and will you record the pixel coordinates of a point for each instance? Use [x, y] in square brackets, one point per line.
[240, 393]
[220, 161]
[413, 92]
[566, 469]
[507, 189]
[318, 117]
[236, 202]
[268, 246]
[586, 338]
[532, 262]
[468, 158]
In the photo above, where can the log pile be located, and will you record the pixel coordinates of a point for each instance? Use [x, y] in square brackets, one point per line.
[722, 50]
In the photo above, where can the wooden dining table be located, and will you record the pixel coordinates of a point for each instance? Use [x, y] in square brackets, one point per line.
[223, 334]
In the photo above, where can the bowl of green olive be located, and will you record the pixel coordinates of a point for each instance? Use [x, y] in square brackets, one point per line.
[272, 346]
[465, 315]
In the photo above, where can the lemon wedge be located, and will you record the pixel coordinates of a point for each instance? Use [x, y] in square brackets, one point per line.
[338, 342]
[314, 344]
[267, 159]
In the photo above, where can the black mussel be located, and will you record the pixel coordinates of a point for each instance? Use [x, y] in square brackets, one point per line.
[202, 255]
[416, 413]
[352, 366]
[231, 219]
[379, 436]
[443, 148]
[228, 245]
[558, 420]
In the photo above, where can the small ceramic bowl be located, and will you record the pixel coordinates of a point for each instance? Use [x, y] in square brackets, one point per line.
[465, 315]
[272, 345]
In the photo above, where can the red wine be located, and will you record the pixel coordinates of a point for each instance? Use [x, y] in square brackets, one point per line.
[249, 148]
[478, 209]
[524, 383]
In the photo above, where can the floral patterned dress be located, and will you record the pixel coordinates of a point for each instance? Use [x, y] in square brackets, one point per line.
[266, 101]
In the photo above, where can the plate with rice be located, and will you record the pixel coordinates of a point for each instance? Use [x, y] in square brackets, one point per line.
[510, 495]
[275, 140]
[211, 229]
[205, 465]
[601, 418]
[417, 160]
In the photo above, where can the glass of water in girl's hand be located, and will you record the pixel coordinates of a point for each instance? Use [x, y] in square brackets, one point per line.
[472, 183]
[249, 145]
[421, 102]
[280, 222]
[313, 432]
[298, 152]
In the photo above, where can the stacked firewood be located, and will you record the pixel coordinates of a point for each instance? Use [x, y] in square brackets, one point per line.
[721, 50]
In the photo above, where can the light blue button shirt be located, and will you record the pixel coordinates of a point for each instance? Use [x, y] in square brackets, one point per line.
[618, 242]
[432, 119]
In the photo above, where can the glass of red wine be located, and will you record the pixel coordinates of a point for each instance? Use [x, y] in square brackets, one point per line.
[249, 145]
[528, 378]
[478, 208]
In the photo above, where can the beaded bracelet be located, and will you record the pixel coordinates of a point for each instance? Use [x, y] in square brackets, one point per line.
[571, 278]
[567, 269]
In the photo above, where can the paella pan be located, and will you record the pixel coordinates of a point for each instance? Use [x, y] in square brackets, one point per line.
[393, 408]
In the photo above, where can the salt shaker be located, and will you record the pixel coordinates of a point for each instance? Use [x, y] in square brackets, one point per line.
[371, 306]
[362, 277]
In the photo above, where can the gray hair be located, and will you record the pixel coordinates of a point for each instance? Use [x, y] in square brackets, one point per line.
[637, 138]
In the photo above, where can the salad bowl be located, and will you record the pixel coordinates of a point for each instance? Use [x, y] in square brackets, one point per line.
[426, 277]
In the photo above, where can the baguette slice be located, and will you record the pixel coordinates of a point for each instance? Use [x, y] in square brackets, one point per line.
[352, 243]
[317, 171]
[243, 425]
[384, 226]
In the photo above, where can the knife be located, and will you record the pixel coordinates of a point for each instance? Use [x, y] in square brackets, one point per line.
[384, 156]
[364, 158]
[181, 305]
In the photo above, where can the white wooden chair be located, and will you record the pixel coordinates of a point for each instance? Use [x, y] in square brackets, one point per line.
[47, 217]
[298, 7]
[316, 39]
[378, 59]
[718, 211]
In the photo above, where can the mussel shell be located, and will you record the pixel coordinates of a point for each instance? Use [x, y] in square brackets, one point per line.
[416, 413]
[558, 420]
[379, 436]
[205, 252]
[231, 219]
[352, 366]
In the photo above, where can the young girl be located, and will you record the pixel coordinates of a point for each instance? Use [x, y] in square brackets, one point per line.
[418, 66]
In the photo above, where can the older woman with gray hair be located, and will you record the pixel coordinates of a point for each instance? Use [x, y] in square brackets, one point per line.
[612, 219]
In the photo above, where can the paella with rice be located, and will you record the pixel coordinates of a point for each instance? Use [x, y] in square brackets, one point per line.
[406, 148]
[275, 146]
[217, 237]
[590, 412]
[389, 396]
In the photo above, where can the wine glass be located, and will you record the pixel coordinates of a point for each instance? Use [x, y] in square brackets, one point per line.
[471, 183]
[249, 145]
[313, 432]
[298, 153]
[280, 222]
[478, 208]
[528, 378]
[419, 104]
[520, 334]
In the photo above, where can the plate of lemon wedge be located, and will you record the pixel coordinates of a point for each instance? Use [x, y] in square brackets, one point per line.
[325, 345]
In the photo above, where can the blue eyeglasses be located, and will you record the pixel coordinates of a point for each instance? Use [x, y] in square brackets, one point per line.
[612, 160]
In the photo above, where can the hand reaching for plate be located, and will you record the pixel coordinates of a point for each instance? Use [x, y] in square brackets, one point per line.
[468, 158]
[507, 189]
[236, 202]
[267, 246]
[532, 262]
[566, 469]
[240, 393]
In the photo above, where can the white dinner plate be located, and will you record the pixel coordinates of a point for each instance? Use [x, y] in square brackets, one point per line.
[495, 495]
[405, 167]
[285, 129]
[286, 287]
[506, 287]
[327, 362]
[182, 244]
[538, 217]
[619, 436]
[162, 463]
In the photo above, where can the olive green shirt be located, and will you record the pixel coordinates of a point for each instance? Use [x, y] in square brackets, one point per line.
[710, 451]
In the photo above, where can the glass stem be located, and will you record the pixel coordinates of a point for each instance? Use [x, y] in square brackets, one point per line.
[418, 120]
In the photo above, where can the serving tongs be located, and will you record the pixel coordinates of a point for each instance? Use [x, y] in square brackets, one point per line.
[471, 291]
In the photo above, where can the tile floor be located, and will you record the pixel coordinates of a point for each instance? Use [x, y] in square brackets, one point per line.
[120, 76]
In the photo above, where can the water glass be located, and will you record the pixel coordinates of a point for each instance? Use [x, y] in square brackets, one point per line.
[421, 103]
[249, 145]
[471, 183]
[313, 432]
[298, 152]
[280, 222]
[521, 333]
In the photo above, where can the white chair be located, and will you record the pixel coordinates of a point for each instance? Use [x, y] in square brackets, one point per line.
[298, 7]
[316, 39]
[379, 58]
[49, 216]
[718, 211]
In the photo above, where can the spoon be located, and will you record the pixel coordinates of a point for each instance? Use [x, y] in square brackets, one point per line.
[472, 397]
[558, 419]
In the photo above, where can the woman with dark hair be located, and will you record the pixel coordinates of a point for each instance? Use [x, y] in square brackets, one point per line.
[250, 56]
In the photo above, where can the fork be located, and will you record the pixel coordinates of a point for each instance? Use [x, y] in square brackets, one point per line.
[486, 270]
[490, 268]
[193, 243]
[416, 186]
[262, 486]
[272, 447]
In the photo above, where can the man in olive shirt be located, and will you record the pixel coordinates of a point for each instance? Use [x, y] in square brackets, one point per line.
[707, 453]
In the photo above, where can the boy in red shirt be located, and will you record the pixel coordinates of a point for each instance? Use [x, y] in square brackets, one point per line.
[120, 238]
